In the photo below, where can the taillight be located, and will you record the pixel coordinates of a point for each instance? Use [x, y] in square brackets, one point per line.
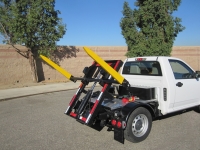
[119, 124]
[132, 99]
[125, 100]
[113, 122]
[140, 59]
[123, 124]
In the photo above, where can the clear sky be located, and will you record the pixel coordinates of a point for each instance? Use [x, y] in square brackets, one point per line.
[96, 22]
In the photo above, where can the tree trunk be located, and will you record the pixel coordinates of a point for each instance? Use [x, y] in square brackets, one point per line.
[32, 62]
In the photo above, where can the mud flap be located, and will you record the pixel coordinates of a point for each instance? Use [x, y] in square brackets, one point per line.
[119, 135]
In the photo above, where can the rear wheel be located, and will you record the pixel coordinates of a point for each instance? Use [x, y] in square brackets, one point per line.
[198, 109]
[138, 125]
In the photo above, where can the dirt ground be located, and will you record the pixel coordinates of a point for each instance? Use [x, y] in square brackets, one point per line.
[27, 84]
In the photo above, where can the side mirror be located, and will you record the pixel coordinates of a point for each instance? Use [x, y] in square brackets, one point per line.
[197, 74]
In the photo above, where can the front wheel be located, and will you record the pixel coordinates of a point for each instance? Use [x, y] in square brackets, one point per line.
[197, 109]
[138, 125]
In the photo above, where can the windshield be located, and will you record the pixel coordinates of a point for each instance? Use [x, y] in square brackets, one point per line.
[149, 68]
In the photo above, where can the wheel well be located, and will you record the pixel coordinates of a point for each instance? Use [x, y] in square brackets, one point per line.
[150, 109]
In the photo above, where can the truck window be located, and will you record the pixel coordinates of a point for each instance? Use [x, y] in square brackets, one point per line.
[148, 68]
[181, 70]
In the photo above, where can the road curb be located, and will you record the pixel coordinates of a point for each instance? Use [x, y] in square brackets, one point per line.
[14, 97]
[38, 93]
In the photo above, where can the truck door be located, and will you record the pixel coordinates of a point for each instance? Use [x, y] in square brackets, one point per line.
[186, 86]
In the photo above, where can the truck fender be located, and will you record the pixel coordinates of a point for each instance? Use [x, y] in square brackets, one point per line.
[130, 107]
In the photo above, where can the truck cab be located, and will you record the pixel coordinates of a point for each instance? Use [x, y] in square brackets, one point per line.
[176, 83]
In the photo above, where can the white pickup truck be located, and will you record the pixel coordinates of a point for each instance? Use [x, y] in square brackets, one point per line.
[154, 86]
[174, 86]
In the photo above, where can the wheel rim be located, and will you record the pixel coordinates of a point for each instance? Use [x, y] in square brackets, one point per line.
[140, 125]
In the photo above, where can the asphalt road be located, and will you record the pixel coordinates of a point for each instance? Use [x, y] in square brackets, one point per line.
[38, 122]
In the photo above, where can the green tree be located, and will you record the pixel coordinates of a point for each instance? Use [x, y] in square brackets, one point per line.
[151, 29]
[5, 16]
[33, 23]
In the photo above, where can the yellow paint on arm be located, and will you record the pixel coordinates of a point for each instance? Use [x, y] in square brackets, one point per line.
[55, 66]
[104, 65]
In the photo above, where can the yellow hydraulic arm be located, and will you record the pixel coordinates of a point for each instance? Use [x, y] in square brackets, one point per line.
[58, 68]
[119, 78]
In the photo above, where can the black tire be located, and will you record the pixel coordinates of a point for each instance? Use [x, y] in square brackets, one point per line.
[197, 109]
[138, 125]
